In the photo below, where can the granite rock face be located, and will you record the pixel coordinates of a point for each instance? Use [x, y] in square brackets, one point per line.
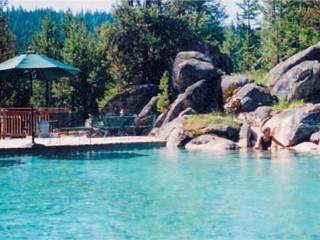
[315, 137]
[300, 82]
[295, 126]
[211, 143]
[174, 133]
[191, 67]
[194, 97]
[230, 83]
[249, 98]
[310, 54]
[222, 130]
[132, 100]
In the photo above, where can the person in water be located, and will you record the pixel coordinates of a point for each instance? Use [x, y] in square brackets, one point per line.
[265, 141]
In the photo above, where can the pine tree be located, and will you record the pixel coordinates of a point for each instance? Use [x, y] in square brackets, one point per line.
[289, 26]
[272, 33]
[232, 44]
[47, 42]
[80, 50]
[247, 20]
[154, 41]
[8, 89]
[6, 39]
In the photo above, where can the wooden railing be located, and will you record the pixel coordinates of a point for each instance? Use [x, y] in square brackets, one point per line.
[16, 122]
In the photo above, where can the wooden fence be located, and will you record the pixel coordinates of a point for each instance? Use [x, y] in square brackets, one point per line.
[16, 122]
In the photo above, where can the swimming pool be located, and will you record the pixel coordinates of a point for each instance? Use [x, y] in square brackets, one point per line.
[158, 193]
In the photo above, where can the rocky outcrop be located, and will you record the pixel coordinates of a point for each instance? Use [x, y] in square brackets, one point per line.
[249, 98]
[262, 113]
[294, 126]
[191, 67]
[187, 111]
[160, 119]
[300, 82]
[231, 83]
[222, 130]
[149, 109]
[307, 147]
[211, 143]
[245, 135]
[315, 137]
[132, 100]
[310, 54]
[194, 97]
[257, 117]
[174, 133]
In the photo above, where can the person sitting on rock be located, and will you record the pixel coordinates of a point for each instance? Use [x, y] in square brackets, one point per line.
[265, 141]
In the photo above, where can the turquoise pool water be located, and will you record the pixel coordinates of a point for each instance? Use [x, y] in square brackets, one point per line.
[156, 193]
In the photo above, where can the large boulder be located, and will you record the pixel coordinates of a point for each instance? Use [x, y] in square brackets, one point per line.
[160, 119]
[245, 135]
[310, 54]
[146, 118]
[296, 125]
[174, 133]
[194, 97]
[150, 108]
[300, 82]
[230, 83]
[315, 137]
[222, 130]
[307, 147]
[132, 100]
[191, 67]
[257, 117]
[249, 98]
[211, 143]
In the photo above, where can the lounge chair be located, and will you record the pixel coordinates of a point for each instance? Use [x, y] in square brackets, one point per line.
[43, 129]
[129, 124]
[113, 124]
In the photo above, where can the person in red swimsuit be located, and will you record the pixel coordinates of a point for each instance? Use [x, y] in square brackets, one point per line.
[265, 141]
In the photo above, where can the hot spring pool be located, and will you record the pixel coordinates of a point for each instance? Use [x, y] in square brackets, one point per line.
[156, 193]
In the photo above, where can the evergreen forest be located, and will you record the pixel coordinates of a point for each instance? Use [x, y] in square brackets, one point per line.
[137, 42]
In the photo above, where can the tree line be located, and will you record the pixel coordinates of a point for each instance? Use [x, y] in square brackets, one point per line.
[137, 42]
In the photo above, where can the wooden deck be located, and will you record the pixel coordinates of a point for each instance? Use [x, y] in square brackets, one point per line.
[18, 145]
[16, 122]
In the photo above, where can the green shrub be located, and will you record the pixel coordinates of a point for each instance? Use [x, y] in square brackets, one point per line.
[259, 77]
[282, 104]
[111, 91]
[163, 102]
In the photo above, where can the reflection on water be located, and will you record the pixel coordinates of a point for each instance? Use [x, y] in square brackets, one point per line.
[281, 154]
[9, 163]
[90, 155]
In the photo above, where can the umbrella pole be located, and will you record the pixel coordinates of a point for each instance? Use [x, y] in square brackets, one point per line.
[32, 114]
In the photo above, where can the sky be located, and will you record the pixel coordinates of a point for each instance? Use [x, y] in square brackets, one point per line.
[106, 5]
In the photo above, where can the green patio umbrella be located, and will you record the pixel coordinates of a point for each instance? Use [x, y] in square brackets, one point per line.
[31, 64]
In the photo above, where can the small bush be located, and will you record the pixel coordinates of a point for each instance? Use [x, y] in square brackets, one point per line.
[259, 77]
[282, 104]
[163, 102]
[110, 93]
